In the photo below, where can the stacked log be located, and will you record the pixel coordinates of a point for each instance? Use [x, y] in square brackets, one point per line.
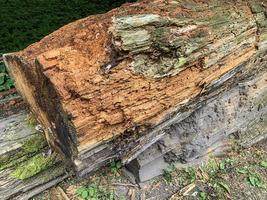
[111, 86]
[26, 167]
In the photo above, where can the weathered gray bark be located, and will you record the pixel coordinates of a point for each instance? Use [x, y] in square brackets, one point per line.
[110, 86]
[20, 145]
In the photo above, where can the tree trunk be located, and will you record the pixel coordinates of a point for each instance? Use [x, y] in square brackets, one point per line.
[107, 86]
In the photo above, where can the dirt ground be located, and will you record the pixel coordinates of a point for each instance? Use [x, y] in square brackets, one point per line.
[239, 175]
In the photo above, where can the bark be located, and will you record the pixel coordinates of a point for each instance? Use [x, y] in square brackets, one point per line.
[106, 86]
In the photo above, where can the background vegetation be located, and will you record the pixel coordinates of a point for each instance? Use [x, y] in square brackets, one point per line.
[23, 22]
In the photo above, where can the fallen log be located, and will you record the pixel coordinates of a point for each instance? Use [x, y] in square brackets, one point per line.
[106, 86]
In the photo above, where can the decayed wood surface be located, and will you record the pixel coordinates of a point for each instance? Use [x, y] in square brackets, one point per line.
[10, 103]
[237, 115]
[111, 82]
[128, 147]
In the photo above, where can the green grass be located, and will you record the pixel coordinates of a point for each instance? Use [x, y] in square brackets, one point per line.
[115, 166]
[99, 187]
[94, 191]
[216, 178]
[240, 174]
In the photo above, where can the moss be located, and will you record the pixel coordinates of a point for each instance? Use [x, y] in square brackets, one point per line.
[33, 166]
[34, 144]
[55, 170]
[13, 162]
[29, 147]
[31, 121]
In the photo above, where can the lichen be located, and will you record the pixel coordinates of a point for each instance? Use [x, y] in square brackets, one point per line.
[33, 166]
[136, 41]
[138, 21]
[181, 61]
[157, 45]
[256, 6]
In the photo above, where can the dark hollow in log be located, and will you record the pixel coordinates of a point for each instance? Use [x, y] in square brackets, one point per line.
[106, 86]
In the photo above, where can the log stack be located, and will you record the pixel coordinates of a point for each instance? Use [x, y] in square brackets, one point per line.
[117, 85]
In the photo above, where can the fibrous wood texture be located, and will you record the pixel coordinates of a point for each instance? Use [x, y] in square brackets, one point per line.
[237, 115]
[105, 86]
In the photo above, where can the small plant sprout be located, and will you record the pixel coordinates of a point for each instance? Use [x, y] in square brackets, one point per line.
[167, 174]
[95, 192]
[115, 166]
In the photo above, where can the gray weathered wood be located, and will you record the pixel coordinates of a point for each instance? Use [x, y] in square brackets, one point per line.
[240, 112]
[15, 133]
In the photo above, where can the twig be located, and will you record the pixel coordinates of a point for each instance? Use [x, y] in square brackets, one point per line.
[188, 189]
[63, 194]
[124, 184]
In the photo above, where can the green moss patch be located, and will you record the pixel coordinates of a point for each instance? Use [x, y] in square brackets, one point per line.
[29, 160]
[33, 166]
[31, 121]
[29, 148]
[34, 144]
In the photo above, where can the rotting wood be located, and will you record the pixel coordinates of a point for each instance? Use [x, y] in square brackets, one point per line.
[161, 60]
[236, 115]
